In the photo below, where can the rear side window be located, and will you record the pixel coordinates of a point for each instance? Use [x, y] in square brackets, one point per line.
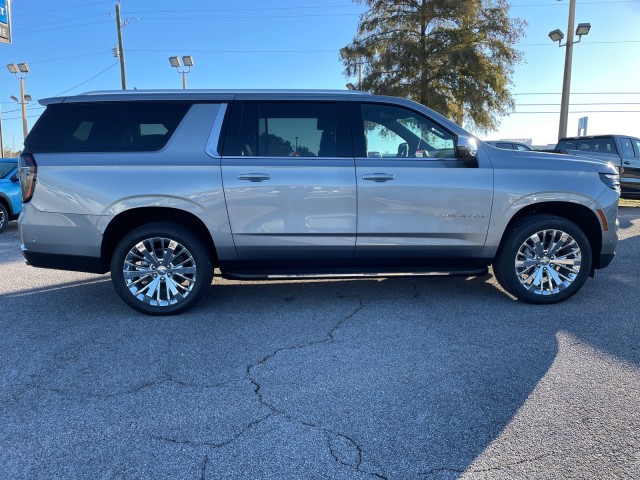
[288, 129]
[566, 145]
[626, 148]
[506, 146]
[6, 168]
[105, 127]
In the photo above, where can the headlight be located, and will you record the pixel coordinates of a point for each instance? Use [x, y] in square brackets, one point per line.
[611, 180]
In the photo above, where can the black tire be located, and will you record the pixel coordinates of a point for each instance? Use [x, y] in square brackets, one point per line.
[539, 271]
[4, 217]
[176, 274]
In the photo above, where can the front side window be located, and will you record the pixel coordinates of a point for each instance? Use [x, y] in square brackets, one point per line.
[289, 129]
[398, 132]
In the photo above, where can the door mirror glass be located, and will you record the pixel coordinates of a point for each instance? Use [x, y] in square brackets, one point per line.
[467, 151]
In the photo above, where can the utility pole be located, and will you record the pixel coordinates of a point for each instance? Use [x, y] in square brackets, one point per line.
[566, 83]
[123, 74]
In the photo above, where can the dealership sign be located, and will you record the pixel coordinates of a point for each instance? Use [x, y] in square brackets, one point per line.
[5, 22]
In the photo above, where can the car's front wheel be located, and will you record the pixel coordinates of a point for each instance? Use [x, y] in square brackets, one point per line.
[4, 218]
[161, 269]
[543, 259]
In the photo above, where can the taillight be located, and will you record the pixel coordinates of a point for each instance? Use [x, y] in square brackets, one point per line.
[28, 173]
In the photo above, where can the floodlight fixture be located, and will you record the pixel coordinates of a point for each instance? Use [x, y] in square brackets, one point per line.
[23, 67]
[12, 67]
[187, 60]
[174, 61]
[27, 97]
[14, 98]
[556, 35]
[583, 29]
[351, 86]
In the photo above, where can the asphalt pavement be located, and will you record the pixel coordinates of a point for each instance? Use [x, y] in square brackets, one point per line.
[403, 378]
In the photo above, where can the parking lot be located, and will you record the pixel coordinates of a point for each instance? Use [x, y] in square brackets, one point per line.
[404, 378]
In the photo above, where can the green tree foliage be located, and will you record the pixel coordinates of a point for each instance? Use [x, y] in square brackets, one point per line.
[454, 56]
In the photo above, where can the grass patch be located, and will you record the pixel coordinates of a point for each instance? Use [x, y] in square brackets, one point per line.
[627, 202]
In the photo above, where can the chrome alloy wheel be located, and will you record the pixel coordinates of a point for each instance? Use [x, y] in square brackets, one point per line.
[548, 262]
[159, 271]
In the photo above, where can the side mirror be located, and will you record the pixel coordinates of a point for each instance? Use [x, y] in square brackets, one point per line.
[467, 151]
[14, 178]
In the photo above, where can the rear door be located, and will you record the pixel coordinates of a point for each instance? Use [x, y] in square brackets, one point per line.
[630, 153]
[416, 198]
[289, 181]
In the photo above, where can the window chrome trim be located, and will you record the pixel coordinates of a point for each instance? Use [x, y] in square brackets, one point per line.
[216, 130]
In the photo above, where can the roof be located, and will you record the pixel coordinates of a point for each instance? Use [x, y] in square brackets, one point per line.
[197, 95]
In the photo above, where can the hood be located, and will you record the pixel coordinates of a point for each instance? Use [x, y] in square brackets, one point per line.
[548, 161]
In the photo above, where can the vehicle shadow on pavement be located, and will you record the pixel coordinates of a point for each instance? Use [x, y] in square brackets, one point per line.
[400, 378]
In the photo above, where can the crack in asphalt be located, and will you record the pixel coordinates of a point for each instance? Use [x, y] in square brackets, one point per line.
[203, 467]
[233, 438]
[328, 433]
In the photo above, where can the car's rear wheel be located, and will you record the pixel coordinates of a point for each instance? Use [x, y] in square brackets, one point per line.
[543, 259]
[4, 218]
[161, 269]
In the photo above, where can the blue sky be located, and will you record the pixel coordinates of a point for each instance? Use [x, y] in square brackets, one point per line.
[293, 44]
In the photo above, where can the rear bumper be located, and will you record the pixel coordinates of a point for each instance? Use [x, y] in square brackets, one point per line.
[56, 261]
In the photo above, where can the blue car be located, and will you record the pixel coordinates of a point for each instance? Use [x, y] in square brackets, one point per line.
[10, 196]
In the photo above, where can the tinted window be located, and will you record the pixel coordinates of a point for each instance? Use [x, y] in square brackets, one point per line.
[626, 148]
[521, 147]
[6, 168]
[507, 146]
[105, 127]
[566, 145]
[288, 129]
[637, 148]
[600, 145]
[398, 132]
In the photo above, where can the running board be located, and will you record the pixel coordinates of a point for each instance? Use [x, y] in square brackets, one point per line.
[475, 272]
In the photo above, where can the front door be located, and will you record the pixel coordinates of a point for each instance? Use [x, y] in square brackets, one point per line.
[289, 182]
[416, 199]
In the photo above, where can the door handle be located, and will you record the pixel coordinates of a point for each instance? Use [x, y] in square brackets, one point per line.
[254, 177]
[627, 162]
[378, 177]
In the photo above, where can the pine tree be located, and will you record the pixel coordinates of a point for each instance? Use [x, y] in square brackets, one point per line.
[454, 56]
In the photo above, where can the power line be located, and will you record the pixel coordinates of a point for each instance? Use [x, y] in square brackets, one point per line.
[579, 93]
[585, 111]
[88, 80]
[70, 58]
[574, 104]
[37, 12]
[63, 21]
[19, 32]
[548, 44]
[245, 17]
[581, 3]
[232, 51]
[243, 9]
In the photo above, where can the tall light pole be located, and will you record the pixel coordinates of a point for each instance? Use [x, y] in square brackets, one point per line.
[557, 36]
[188, 63]
[21, 70]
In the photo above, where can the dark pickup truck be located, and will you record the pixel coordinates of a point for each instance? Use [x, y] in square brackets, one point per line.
[621, 150]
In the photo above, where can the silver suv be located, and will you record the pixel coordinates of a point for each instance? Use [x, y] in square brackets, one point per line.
[161, 187]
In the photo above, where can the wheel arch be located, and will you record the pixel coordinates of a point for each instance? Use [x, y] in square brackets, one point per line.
[582, 216]
[126, 221]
